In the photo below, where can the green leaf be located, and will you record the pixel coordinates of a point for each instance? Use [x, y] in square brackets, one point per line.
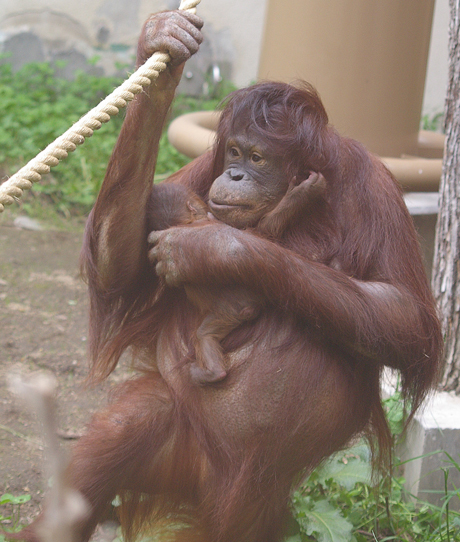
[21, 499]
[7, 498]
[347, 474]
[327, 523]
[396, 414]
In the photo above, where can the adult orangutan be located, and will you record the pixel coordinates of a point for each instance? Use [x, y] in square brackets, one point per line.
[344, 295]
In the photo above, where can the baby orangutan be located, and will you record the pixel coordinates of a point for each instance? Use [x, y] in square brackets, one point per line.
[224, 308]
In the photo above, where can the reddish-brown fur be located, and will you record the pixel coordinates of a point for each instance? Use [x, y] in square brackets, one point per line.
[304, 376]
[223, 309]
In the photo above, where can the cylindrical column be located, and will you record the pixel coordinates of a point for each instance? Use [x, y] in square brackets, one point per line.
[367, 58]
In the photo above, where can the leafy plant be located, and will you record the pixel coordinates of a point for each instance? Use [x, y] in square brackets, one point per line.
[338, 503]
[433, 122]
[14, 504]
[38, 106]
[317, 505]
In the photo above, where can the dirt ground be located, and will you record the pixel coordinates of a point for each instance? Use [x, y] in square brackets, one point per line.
[43, 327]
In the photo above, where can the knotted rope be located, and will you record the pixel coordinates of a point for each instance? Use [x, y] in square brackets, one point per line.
[84, 128]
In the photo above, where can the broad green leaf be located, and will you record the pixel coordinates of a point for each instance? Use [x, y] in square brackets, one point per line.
[327, 523]
[346, 474]
[396, 414]
[6, 498]
[21, 499]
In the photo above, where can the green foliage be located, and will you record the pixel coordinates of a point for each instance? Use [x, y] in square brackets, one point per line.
[396, 414]
[13, 504]
[38, 106]
[318, 507]
[322, 519]
[433, 123]
[338, 503]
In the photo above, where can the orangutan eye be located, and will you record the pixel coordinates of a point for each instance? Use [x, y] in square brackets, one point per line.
[256, 158]
[234, 152]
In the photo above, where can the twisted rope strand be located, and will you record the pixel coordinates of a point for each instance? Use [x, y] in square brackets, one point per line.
[59, 149]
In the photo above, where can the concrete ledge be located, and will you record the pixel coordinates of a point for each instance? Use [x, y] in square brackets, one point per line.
[434, 431]
[422, 203]
[423, 207]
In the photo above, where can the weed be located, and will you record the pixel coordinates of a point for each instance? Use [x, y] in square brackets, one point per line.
[338, 503]
[10, 522]
[38, 106]
[433, 122]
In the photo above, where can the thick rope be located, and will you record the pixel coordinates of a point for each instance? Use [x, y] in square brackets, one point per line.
[58, 150]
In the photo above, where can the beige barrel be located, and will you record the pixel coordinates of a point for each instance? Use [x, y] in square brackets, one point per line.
[367, 58]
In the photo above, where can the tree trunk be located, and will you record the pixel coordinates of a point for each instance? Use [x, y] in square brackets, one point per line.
[446, 266]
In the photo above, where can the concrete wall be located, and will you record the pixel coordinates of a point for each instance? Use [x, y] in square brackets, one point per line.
[48, 29]
[437, 73]
[73, 30]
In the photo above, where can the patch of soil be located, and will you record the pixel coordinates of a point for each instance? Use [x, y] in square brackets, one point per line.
[43, 327]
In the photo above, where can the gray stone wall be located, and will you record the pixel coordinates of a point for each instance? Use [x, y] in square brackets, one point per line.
[105, 32]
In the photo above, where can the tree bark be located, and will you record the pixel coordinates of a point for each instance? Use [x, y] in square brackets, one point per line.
[446, 266]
